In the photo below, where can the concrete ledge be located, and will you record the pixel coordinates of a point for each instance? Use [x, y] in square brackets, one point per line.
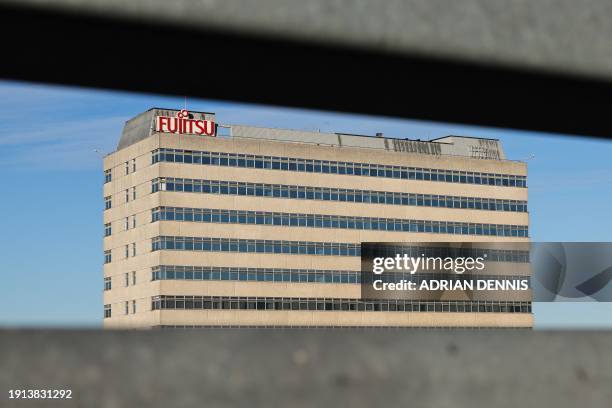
[540, 65]
[547, 34]
[306, 368]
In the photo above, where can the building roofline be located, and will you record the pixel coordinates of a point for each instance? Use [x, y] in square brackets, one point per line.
[341, 133]
[465, 137]
[434, 140]
[381, 137]
[174, 109]
[169, 109]
[277, 128]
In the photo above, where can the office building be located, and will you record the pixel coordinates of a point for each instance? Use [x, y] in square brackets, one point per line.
[237, 226]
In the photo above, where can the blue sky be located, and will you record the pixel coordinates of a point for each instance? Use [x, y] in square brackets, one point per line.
[51, 245]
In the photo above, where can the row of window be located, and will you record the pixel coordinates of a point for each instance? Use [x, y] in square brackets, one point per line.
[335, 304]
[126, 222]
[334, 194]
[127, 194]
[108, 228]
[108, 311]
[108, 173]
[126, 253]
[108, 176]
[127, 278]
[108, 200]
[251, 245]
[108, 255]
[126, 307]
[335, 167]
[207, 244]
[333, 221]
[175, 272]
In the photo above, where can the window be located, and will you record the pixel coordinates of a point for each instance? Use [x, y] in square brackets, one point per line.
[260, 246]
[357, 169]
[107, 283]
[337, 304]
[133, 277]
[297, 192]
[107, 311]
[107, 256]
[133, 221]
[265, 246]
[127, 307]
[176, 272]
[107, 229]
[127, 279]
[133, 306]
[108, 176]
[133, 249]
[127, 168]
[127, 251]
[325, 221]
[133, 165]
[127, 195]
[107, 202]
[133, 193]
[127, 223]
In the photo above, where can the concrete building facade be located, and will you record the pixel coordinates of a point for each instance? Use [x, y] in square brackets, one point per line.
[261, 227]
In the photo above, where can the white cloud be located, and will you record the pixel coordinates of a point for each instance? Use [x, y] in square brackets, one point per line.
[60, 145]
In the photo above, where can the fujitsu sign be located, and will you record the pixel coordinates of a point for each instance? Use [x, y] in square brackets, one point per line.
[183, 124]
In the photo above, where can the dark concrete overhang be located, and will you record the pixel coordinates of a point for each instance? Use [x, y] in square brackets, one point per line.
[542, 65]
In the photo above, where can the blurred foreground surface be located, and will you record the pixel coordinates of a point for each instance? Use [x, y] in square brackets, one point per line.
[517, 64]
[307, 368]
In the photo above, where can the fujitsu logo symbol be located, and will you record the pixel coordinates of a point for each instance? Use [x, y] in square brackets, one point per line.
[183, 124]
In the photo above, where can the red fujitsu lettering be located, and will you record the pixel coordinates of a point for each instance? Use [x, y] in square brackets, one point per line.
[172, 125]
[199, 127]
[209, 128]
[189, 125]
[160, 123]
[182, 123]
